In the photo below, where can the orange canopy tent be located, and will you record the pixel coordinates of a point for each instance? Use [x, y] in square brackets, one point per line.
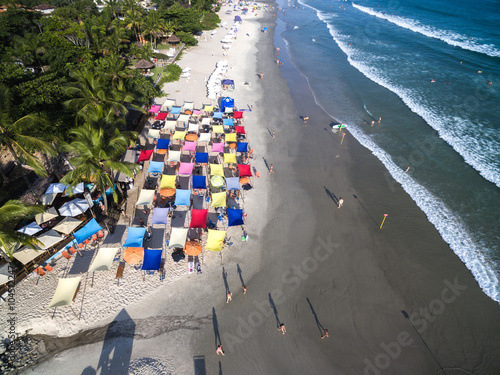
[192, 248]
[133, 255]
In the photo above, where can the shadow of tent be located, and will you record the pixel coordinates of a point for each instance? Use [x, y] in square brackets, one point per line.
[89, 370]
[199, 365]
[117, 345]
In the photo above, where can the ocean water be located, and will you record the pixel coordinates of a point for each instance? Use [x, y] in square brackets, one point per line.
[431, 71]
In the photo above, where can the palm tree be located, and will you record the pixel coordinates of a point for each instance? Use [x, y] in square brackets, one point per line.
[133, 17]
[20, 137]
[113, 67]
[30, 48]
[116, 42]
[96, 157]
[152, 26]
[10, 214]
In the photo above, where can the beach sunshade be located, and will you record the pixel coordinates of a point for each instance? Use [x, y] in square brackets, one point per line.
[191, 137]
[188, 105]
[155, 108]
[217, 181]
[143, 64]
[217, 115]
[162, 116]
[145, 155]
[169, 103]
[162, 144]
[208, 108]
[193, 128]
[230, 159]
[231, 137]
[104, 259]
[6, 273]
[26, 255]
[215, 240]
[65, 291]
[49, 239]
[170, 125]
[242, 147]
[46, 216]
[227, 122]
[74, 207]
[189, 146]
[68, 225]
[197, 113]
[160, 215]
[201, 157]
[47, 199]
[199, 182]
[183, 118]
[218, 147]
[216, 170]
[233, 183]
[238, 114]
[155, 167]
[178, 237]
[198, 218]
[179, 135]
[240, 129]
[146, 197]
[78, 189]
[152, 260]
[135, 237]
[182, 197]
[219, 199]
[175, 110]
[186, 169]
[205, 121]
[55, 188]
[234, 217]
[168, 181]
[218, 129]
[174, 156]
[133, 255]
[205, 137]
[228, 110]
[192, 248]
[153, 133]
[30, 229]
[88, 230]
[167, 192]
[244, 170]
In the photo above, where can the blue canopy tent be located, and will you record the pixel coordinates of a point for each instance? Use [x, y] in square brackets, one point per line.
[228, 84]
[226, 102]
[237, 19]
[175, 111]
[227, 122]
[234, 217]
[217, 115]
[135, 237]
[155, 167]
[182, 197]
[242, 147]
[160, 215]
[162, 144]
[152, 260]
[233, 183]
[199, 182]
[87, 231]
[201, 157]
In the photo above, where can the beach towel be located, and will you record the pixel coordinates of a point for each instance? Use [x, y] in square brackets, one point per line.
[197, 265]
[191, 264]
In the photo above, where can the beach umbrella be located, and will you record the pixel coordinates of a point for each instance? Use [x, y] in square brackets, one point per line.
[193, 248]
[51, 213]
[30, 229]
[55, 188]
[217, 181]
[6, 274]
[68, 225]
[74, 207]
[133, 255]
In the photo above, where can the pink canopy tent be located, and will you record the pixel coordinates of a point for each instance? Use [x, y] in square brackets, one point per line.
[240, 129]
[218, 147]
[189, 146]
[244, 170]
[155, 108]
[198, 218]
[186, 169]
[145, 155]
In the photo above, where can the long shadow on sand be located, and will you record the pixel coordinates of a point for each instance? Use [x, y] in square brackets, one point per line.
[265, 162]
[216, 328]
[364, 208]
[224, 277]
[320, 326]
[332, 196]
[273, 306]
[238, 269]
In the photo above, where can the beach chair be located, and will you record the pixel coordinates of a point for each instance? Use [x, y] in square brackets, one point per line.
[100, 234]
[48, 268]
[81, 245]
[94, 237]
[72, 250]
[119, 272]
[40, 271]
[66, 255]
[86, 242]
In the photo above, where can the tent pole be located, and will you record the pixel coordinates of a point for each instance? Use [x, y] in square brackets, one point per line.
[74, 313]
[221, 261]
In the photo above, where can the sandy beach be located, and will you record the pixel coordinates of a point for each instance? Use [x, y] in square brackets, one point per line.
[308, 263]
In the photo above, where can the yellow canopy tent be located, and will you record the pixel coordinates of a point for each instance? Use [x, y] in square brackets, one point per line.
[215, 239]
[218, 129]
[179, 135]
[216, 170]
[219, 199]
[230, 158]
[168, 181]
[231, 137]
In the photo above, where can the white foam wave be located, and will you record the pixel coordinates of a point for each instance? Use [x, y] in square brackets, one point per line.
[449, 37]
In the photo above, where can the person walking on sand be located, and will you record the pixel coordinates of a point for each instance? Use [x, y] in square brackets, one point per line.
[325, 334]
[271, 171]
[274, 133]
[282, 328]
[261, 75]
[244, 289]
[305, 121]
[341, 202]
[407, 169]
[229, 297]
[219, 350]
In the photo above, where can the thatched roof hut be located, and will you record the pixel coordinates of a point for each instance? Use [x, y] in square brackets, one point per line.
[144, 64]
[172, 39]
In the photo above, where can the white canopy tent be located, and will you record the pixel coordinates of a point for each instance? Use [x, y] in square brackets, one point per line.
[145, 197]
[74, 207]
[174, 156]
[30, 229]
[65, 292]
[103, 259]
[51, 213]
[67, 225]
[178, 237]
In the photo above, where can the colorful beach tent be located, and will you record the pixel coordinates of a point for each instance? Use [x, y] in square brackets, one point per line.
[175, 110]
[217, 115]
[153, 133]
[88, 230]
[133, 255]
[65, 291]
[170, 125]
[217, 181]
[208, 108]
[233, 183]
[168, 181]
[218, 147]
[198, 218]
[218, 129]
[30, 229]
[186, 169]
[135, 237]
[68, 225]
[182, 197]
[219, 199]
[230, 159]
[183, 118]
[74, 208]
[155, 108]
[162, 116]
[192, 248]
[201, 157]
[160, 215]
[152, 260]
[188, 105]
[174, 156]
[242, 147]
[155, 167]
[145, 155]
[197, 113]
[162, 144]
[189, 146]
[205, 121]
[51, 213]
[244, 170]
[234, 217]
[238, 114]
[240, 129]
[205, 137]
[199, 182]
[226, 102]
[104, 259]
[178, 237]
[227, 122]
[215, 239]
[179, 135]
[216, 170]
[55, 188]
[231, 137]
[146, 197]
[168, 103]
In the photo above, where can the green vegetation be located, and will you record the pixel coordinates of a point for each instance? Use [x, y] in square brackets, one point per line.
[171, 73]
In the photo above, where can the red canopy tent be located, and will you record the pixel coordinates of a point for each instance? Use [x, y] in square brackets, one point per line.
[198, 218]
[238, 114]
[240, 129]
[162, 116]
[145, 155]
[244, 170]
